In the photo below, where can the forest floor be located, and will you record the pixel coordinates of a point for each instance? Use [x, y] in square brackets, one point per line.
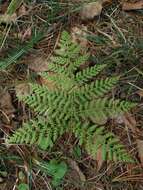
[29, 37]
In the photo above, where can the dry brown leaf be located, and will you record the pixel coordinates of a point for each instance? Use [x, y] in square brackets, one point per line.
[5, 18]
[22, 89]
[73, 164]
[99, 159]
[49, 83]
[6, 108]
[119, 119]
[129, 120]
[132, 6]
[27, 34]
[140, 93]
[90, 10]
[79, 34]
[140, 149]
[38, 63]
[24, 35]
[22, 11]
[3, 7]
[106, 1]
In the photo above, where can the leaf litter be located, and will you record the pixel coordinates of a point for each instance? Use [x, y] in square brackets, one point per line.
[7, 109]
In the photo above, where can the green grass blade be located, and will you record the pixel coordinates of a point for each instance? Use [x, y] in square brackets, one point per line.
[14, 4]
[17, 53]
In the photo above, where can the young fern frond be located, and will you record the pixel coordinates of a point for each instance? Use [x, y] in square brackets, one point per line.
[67, 55]
[73, 105]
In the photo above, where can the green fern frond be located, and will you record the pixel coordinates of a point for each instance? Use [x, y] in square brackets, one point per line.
[60, 60]
[57, 69]
[73, 105]
[67, 48]
[87, 74]
[61, 81]
[105, 106]
[97, 89]
[78, 62]
[68, 55]
[37, 132]
[44, 102]
[95, 137]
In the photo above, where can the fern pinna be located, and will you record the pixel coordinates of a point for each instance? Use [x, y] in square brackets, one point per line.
[71, 101]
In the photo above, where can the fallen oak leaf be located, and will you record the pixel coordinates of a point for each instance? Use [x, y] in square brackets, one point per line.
[90, 10]
[38, 63]
[22, 89]
[79, 35]
[129, 121]
[132, 6]
[74, 166]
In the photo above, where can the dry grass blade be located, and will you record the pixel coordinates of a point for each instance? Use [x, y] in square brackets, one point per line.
[75, 167]
[137, 177]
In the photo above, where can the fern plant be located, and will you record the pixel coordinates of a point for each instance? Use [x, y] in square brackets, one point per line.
[72, 101]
